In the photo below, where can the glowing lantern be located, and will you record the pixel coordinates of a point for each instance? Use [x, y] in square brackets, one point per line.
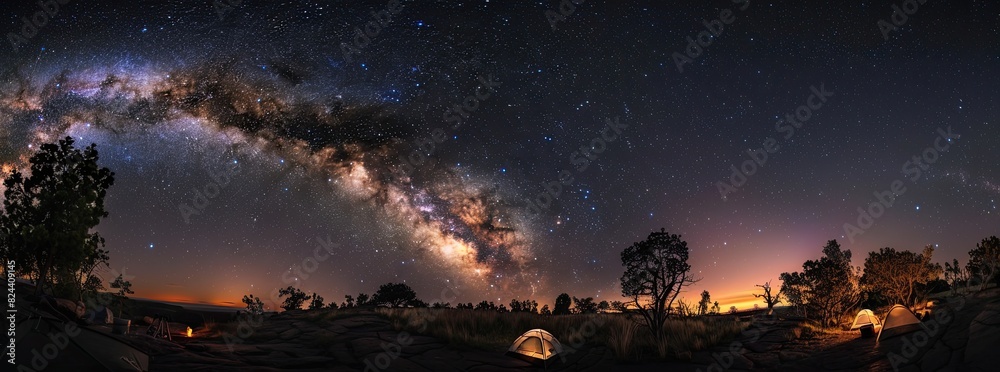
[189, 331]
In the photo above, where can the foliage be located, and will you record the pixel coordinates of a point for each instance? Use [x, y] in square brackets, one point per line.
[828, 286]
[603, 306]
[363, 299]
[255, 307]
[563, 302]
[545, 310]
[486, 305]
[124, 288]
[956, 275]
[441, 305]
[526, 306]
[706, 299]
[984, 261]
[899, 274]
[348, 301]
[585, 305]
[394, 295]
[316, 302]
[656, 270]
[48, 215]
[295, 298]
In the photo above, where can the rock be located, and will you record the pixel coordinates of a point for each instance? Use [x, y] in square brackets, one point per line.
[761, 347]
[936, 358]
[726, 360]
[363, 347]
[289, 334]
[788, 356]
[984, 336]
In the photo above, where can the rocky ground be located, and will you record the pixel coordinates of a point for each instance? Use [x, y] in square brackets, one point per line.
[965, 340]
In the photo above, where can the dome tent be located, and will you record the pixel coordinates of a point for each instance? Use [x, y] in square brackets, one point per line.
[898, 320]
[867, 322]
[535, 346]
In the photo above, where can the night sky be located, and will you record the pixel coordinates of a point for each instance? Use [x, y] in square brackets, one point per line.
[295, 134]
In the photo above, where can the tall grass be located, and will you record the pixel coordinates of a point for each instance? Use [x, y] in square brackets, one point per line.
[626, 339]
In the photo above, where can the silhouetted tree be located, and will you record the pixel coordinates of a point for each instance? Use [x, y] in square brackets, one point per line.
[828, 286]
[255, 307]
[394, 295]
[515, 305]
[316, 303]
[441, 305]
[684, 308]
[49, 216]
[348, 301]
[332, 305]
[706, 299]
[956, 275]
[563, 302]
[295, 298]
[619, 306]
[715, 308]
[417, 303]
[732, 309]
[984, 261]
[899, 274]
[467, 306]
[656, 270]
[545, 310]
[484, 305]
[769, 299]
[362, 299]
[124, 288]
[603, 306]
[585, 305]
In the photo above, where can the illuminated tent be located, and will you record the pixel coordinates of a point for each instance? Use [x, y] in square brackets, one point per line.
[535, 346]
[867, 322]
[899, 320]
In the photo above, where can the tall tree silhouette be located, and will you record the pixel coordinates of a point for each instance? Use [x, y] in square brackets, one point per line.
[828, 286]
[48, 215]
[769, 299]
[656, 270]
[563, 302]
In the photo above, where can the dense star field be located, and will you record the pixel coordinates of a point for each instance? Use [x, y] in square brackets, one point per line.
[509, 150]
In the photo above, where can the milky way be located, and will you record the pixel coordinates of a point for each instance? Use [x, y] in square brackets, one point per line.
[243, 137]
[463, 223]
